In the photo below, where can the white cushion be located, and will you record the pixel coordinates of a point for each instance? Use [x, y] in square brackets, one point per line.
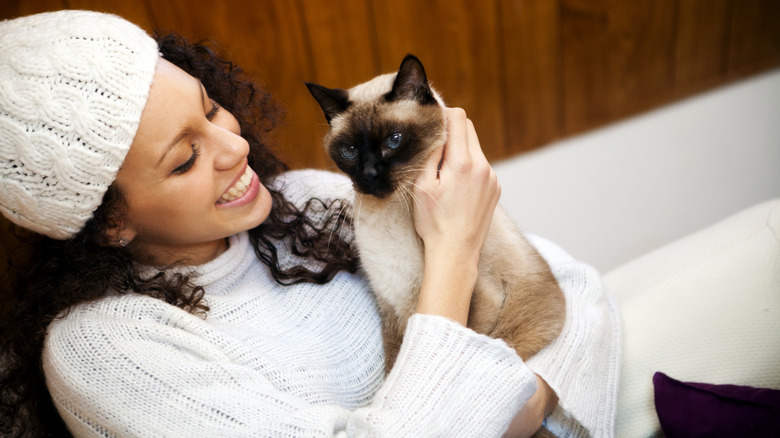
[705, 308]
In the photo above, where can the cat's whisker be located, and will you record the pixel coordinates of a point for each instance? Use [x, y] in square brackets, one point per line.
[338, 204]
[330, 214]
[339, 217]
[426, 192]
[348, 206]
[356, 212]
[415, 198]
[411, 199]
[406, 172]
[411, 169]
[405, 190]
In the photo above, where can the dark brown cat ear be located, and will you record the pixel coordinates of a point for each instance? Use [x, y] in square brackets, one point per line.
[333, 101]
[411, 83]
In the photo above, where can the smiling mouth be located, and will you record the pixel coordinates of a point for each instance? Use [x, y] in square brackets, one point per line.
[238, 189]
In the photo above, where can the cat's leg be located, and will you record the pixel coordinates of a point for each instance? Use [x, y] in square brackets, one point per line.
[392, 333]
[517, 298]
[486, 303]
[534, 310]
[533, 314]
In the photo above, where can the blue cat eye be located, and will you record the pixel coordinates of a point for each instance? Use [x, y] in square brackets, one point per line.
[394, 140]
[348, 151]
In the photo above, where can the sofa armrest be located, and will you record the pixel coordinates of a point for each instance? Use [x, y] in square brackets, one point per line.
[705, 308]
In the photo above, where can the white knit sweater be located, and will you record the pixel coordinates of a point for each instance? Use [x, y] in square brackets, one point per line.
[307, 360]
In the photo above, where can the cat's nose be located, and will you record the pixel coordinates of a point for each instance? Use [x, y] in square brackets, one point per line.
[369, 172]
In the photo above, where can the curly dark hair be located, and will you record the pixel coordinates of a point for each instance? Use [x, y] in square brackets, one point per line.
[61, 273]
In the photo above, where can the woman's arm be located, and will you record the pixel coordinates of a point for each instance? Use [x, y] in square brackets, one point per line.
[456, 208]
[529, 420]
[455, 199]
[582, 364]
[133, 365]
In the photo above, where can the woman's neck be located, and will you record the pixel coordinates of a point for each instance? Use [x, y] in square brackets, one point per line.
[188, 255]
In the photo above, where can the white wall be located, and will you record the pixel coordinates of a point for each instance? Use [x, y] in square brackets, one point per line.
[615, 193]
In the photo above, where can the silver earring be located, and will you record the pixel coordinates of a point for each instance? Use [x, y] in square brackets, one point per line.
[123, 241]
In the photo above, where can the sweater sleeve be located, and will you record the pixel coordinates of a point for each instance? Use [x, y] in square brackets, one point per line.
[111, 374]
[582, 365]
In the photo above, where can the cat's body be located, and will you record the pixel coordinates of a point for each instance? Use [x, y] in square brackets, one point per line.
[381, 133]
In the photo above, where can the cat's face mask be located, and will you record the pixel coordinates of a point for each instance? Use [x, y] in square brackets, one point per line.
[382, 131]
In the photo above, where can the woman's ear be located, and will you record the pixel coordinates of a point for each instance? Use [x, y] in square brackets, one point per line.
[119, 235]
[112, 226]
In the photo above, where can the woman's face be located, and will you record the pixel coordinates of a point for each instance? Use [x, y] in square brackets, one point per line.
[185, 178]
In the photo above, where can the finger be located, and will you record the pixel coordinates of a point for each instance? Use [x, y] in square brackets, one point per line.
[475, 149]
[456, 151]
[433, 163]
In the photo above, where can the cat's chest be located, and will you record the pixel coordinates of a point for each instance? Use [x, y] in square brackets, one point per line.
[390, 250]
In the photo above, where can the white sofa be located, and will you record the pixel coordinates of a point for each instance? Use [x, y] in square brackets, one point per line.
[705, 308]
[679, 208]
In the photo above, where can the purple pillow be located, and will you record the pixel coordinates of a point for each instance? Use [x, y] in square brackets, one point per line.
[702, 410]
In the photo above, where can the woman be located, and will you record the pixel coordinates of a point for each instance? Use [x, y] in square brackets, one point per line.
[183, 285]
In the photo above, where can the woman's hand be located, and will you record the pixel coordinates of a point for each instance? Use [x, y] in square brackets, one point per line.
[529, 420]
[453, 209]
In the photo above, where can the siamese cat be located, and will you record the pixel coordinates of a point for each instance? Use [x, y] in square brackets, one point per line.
[381, 133]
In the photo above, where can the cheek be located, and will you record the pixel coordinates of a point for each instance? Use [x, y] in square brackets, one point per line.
[154, 213]
[263, 209]
[177, 204]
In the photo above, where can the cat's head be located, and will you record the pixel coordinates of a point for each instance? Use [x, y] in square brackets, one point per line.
[382, 131]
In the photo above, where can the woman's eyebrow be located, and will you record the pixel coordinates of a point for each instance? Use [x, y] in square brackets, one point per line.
[184, 131]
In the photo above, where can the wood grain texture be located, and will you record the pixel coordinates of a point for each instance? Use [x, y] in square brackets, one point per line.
[341, 55]
[133, 10]
[18, 8]
[527, 71]
[530, 58]
[755, 37]
[701, 47]
[617, 58]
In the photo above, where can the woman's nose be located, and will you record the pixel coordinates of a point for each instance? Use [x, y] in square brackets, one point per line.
[230, 149]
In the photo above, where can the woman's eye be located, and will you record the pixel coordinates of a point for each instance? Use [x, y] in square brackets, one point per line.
[215, 107]
[348, 151]
[187, 165]
[394, 140]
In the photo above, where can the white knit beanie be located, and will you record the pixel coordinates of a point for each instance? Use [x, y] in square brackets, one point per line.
[73, 85]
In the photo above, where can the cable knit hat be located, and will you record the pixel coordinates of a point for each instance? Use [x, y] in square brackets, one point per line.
[73, 85]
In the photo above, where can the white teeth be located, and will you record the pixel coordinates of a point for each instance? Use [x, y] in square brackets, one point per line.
[238, 189]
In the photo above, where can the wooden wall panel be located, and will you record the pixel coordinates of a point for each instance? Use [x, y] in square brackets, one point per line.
[616, 58]
[341, 55]
[457, 41]
[17, 8]
[531, 81]
[701, 48]
[755, 36]
[527, 71]
[133, 10]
